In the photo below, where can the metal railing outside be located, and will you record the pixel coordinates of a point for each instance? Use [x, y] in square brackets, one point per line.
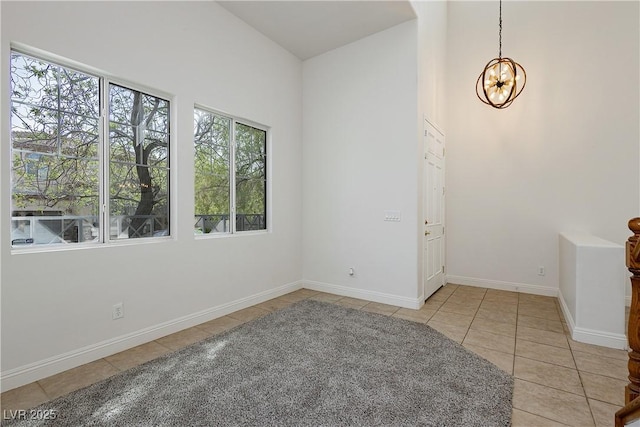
[219, 223]
[66, 229]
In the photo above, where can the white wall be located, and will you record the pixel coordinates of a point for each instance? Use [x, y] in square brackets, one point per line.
[563, 157]
[432, 54]
[56, 305]
[359, 159]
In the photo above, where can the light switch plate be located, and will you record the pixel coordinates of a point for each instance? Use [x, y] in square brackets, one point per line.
[392, 216]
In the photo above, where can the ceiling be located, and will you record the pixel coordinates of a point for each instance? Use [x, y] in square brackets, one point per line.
[308, 28]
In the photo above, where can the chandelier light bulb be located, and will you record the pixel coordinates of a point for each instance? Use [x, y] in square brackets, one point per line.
[500, 75]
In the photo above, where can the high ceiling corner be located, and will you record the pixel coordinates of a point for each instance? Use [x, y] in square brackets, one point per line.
[307, 28]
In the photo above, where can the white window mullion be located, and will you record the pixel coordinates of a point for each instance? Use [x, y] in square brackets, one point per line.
[104, 162]
[232, 177]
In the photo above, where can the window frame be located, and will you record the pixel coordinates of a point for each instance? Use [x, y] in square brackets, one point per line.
[232, 175]
[104, 81]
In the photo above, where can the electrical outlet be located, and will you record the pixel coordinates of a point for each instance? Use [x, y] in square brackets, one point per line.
[541, 270]
[118, 311]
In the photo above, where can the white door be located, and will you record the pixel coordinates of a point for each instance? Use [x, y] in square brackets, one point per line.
[433, 200]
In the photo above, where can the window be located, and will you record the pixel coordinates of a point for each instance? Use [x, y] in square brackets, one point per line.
[230, 174]
[70, 176]
[138, 164]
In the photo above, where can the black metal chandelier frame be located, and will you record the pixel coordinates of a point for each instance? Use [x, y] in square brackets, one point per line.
[500, 78]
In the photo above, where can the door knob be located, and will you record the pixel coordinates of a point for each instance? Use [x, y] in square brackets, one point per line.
[426, 222]
[426, 233]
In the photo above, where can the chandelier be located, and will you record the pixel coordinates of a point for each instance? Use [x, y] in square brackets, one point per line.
[502, 79]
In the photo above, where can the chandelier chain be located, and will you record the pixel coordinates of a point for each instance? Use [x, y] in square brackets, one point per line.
[500, 33]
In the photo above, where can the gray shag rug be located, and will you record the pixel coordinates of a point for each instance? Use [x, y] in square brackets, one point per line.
[310, 364]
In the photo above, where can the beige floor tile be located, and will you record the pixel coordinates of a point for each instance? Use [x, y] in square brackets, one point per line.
[248, 314]
[308, 292]
[325, 297]
[550, 306]
[298, 295]
[539, 323]
[502, 360]
[599, 350]
[501, 328]
[464, 298]
[379, 308]
[543, 313]
[183, 338]
[546, 374]
[606, 366]
[452, 332]
[459, 299]
[541, 299]
[537, 299]
[468, 294]
[524, 419]
[550, 403]
[453, 319]
[421, 316]
[603, 412]
[499, 306]
[463, 309]
[352, 302]
[274, 304]
[490, 340]
[498, 316]
[136, 356]
[77, 378]
[432, 305]
[501, 296]
[449, 288]
[438, 297]
[606, 389]
[219, 325]
[542, 337]
[24, 397]
[409, 318]
[470, 288]
[427, 307]
[545, 353]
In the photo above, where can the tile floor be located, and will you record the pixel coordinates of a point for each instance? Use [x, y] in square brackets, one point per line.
[557, 381]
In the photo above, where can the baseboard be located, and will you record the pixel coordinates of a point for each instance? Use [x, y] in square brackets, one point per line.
[413, 303]
[600, 338]
[571, 324]
[591, 336]
[503, 286]
[44, 368]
